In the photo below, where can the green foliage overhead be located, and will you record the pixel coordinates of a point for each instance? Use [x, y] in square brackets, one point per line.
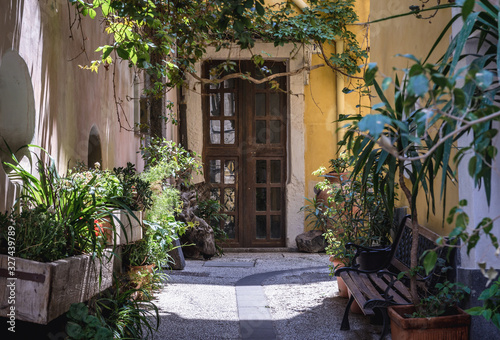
[179, 32]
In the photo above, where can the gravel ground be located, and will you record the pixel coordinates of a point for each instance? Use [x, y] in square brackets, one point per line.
[199, 302]
[305, 306]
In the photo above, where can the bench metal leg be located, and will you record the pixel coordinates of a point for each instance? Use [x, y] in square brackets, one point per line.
[345, 320]
[387, 322]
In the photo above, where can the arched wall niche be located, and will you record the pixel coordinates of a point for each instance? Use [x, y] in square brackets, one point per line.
[94, 153]
[17, 104]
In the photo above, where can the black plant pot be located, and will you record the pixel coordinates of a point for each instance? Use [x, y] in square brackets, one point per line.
[373, 260]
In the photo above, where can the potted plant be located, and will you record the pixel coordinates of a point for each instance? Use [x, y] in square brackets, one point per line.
[137, 197]
[436, 317]
[124, 191]
[356, 216]
[146, 257]
[50, 237]
[398, 137]
[338, 167]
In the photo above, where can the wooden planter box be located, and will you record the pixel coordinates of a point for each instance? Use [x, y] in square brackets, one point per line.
[128, 231]
[44, 291]
[454, 327]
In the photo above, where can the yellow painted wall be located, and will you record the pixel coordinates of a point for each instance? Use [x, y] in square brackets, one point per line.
[321, 135]
[414, 36]
[386, 40]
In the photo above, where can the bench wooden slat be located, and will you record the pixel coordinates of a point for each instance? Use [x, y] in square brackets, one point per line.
[398, 294]
[358, 296]
[369, 288]
[366, 285]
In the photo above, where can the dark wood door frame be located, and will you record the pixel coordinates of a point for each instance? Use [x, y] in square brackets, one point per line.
[256, 149]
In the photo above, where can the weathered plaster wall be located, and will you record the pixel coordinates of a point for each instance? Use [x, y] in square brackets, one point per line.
[68, 101]
[295, 145]
[477, 205]
[409, 35]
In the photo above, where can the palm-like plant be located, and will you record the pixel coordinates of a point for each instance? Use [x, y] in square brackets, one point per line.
[414, 135]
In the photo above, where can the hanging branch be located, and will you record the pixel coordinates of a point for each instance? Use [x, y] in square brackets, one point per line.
[252, 79]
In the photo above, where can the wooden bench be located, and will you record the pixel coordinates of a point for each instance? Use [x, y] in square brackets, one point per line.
[376, 289]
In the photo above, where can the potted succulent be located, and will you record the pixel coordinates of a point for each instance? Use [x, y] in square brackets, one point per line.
[50, 237]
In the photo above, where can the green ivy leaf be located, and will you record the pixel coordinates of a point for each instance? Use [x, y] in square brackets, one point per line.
[487, 314]
[370, 73]
[386, 82]
[107, 51]
[484, 79]
[467, 8]
[92, 13]
[430, 260]
[418, 85]
[375, 124]
[122, 53]
[495, 318]
[259, 8]
[74, 330]
[474, 310]
[106, 9]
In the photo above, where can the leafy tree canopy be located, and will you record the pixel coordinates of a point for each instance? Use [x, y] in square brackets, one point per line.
[180, 32]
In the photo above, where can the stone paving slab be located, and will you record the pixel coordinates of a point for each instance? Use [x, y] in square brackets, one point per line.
[235, 264]
[271, 300]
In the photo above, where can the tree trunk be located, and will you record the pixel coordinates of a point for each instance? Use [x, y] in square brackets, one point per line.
[414, 244]
[156, 101]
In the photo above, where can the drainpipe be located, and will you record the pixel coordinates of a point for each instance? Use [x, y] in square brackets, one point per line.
[339, 49]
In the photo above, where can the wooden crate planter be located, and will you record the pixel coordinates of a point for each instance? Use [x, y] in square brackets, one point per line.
[128, 231]
[44, 291]
[454, 327]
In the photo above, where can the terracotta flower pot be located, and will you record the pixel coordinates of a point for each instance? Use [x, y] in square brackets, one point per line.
[337, 177]
[454, 327]
[343, 291]
[135, 269]
[355, 306]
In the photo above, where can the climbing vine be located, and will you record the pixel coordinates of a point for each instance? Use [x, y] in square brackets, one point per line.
[180, 32]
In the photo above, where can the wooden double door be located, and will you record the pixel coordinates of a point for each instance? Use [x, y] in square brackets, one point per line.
[244, 154]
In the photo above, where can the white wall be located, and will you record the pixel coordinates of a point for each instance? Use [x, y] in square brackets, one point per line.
[67, 100]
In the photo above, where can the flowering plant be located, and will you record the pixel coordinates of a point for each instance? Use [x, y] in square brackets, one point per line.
[54, 216]
[103, 184]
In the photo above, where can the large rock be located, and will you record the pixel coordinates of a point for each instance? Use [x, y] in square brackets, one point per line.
[177, 261]
[311, 241]
[199, 239]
